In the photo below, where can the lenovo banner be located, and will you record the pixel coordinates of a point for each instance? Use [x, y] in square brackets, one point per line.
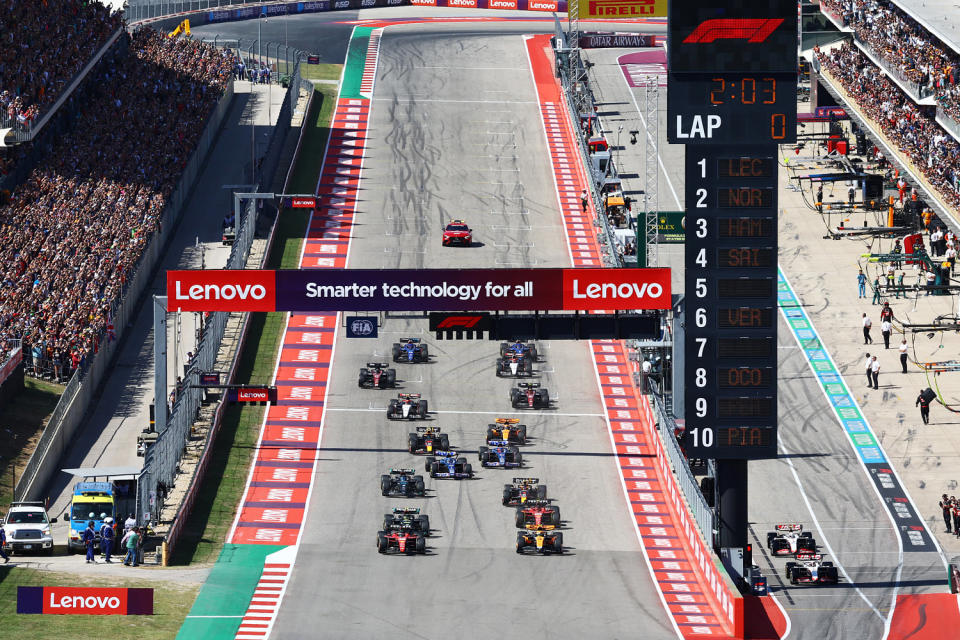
[307, 291]
[85, 601]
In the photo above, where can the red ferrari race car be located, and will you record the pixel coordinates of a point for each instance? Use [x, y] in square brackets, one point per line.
[811, 569]
[401, 539]
[457, 232]
[538, 512]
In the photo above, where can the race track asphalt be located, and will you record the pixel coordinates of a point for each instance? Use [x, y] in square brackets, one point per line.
[456, 131]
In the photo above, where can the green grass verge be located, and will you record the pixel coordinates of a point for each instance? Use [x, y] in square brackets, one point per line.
[168, 599]
[320, 71]
[22, 421]
[226, 476]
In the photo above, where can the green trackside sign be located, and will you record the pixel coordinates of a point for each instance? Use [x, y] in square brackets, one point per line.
[670, 227]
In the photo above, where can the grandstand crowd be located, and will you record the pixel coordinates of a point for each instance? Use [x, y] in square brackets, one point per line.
[906, 46]
[919, 136]
[74, 230]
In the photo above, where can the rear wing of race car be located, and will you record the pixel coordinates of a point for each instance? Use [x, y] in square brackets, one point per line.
[537, 503]
[377, 365]
[402, 471]
[528, 385]
[446, 454]
[540, 527]
[498, 443]
[406, 510]
[408, 396]
[816, 557]
[428, 429]
[788, 527]
[507, 421]
[526, 481]
[413, 340]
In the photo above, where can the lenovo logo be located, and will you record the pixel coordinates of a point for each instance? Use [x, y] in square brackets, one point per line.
[221, 290]
[543, 6]
[367, 3]
[84, 601]
[341, 4]
[503, 4]
[462, 3]
[253, 395]
[749, 29]
[590, 289]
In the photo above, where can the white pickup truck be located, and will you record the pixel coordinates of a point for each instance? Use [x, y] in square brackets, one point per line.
[28, 528]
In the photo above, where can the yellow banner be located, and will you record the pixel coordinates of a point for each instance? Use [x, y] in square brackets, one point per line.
[622, 9]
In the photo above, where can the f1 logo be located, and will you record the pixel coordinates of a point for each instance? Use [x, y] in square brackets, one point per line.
[749, 29]
[459, 322]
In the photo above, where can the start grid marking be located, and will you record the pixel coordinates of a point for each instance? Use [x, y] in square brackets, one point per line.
[666, 539]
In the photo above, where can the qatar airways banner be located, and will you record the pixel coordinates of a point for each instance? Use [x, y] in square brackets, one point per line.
[85, 601]
[419, 290]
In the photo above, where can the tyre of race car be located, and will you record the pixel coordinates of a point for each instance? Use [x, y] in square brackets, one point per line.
[424, 523]
[542, 492]
[429, 464]
[771, 536]
[522, 434]
[507, 494]
[387, 520]
[806, 544]
[558, 543]
[396, 352]
[360, 381]
[424, 354]
[421, 544]
[520, 542]
[503, 349]
[546, 398]
[444, 442]
[832, 574]
[793, 576]
[412, 442]
[391, 378]
[789, 569]
[806, 534]
[422, 408]
[385, 483]
[482, 454]
[461, 461]
[518, 518]
[381, 542]
[491, 434]
[468, 469]
[418, 487]
[499, 368]
[556, 516]
[518, 457]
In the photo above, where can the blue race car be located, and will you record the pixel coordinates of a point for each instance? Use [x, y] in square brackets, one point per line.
[402, 482]
[449, 464]
[500, 454]
[518, 348]
[410, 350]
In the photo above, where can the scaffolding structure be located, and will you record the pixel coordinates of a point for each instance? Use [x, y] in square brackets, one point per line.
[651, 174]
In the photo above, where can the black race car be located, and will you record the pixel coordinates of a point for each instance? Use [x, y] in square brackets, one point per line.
[427, 440]
[519, 348]
[810, 568]
[500, 454]
[402, 482]
[515, 366]
[790, 540]
[508, 429]
[523, 490]
[407, 516]
[376, 375]
[401, 539]
[410, 350]
[407, 406]
[529, 395]
[540, 539]
[537, 512]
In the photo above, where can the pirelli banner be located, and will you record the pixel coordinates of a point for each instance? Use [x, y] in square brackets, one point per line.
[590, 9]
[419, 290]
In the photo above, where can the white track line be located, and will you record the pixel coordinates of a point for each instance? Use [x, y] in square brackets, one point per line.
[482, 413]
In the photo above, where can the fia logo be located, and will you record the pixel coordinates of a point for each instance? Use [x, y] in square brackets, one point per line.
[358, 327]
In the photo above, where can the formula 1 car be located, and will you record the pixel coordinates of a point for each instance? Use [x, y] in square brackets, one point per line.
[410, 350]
[401, 539]
[457, 232]
[529, 395]
[449, 464]
[789, 540]
[811, 569]
[500, 454]
[407, 516]
[402, 482]
[523, 490]
[537, 512]
[427, 440]
[376, 375]
[407, 406]
[508, 429]
[541, 539]
[514, 365]
[518, 348]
